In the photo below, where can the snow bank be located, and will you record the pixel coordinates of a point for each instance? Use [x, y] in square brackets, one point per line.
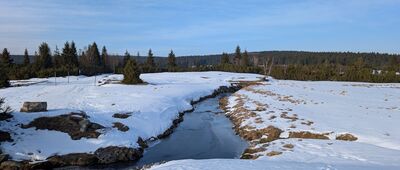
[153, 108]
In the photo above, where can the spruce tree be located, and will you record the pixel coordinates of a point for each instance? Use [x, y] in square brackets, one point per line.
[245, 59]
[225, 58]
[5, 58]
[131, 73]
[127, 57]
[171, 61]
[238, 56]
[74, 55]
[4, 81]
[66, 55]
[26, 58]
[150, 60]
[44, 59]
[58, 59]
[104, 59]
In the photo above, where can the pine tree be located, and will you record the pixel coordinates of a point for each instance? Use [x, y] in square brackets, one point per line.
[150, 60]
[4, 81]
[58, 59]
[66, 55]
[104, 59]
[171, 61]
[74, 55]
[225, 58]
[5, 58]
[245, 59]
[131, 73]
[127, 57]
[44, 59]
[26, 58]
[238, 56]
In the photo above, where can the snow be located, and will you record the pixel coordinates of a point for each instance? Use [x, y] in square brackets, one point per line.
[237, 164]
[153, 107]
[369, 111]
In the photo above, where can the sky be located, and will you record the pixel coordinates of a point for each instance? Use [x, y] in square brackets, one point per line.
[196, 27]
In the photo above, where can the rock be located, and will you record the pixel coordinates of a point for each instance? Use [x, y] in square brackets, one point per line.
[73, 159]
[346, 137]
[122, 115]
[34, 107]
[5, 137]
[142, 143]
[5, 116]
[76, 125]
[120, 126]
[4, 157]
[114, 154]
[11, 165]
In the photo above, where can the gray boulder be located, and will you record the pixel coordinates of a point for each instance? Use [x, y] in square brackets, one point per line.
[34, 107]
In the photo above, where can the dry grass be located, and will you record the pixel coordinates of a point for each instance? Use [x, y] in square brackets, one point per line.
[346, 137]
[273, 153]
[307, 135]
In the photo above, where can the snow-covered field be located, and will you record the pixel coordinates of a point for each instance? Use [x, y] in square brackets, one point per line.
[153, 108]
[371, 112]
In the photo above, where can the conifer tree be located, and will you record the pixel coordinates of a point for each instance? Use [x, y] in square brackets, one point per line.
[4, 82]
[127, 57]
[238, 56]
[74, 55]
[131, 73]
[5, 58]
[66, 55]
[104, 59]
[171, 61]
[26, 58]
[150, 60]
[44, 58]
[58, 59]
[245, 59]
[225, 58]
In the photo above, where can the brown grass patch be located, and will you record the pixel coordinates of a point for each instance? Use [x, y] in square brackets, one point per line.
[346, 137]
[274, 153]
[289, 146]
[307, 135]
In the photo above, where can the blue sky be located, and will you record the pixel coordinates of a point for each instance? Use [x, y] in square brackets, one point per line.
[192, 27]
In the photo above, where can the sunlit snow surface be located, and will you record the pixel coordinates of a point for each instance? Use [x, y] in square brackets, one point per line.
[153, 108]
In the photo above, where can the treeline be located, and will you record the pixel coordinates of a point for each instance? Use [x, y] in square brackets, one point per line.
[340, 66]
[68, 61]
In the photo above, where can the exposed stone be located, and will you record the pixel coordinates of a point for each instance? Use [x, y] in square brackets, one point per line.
[307, 135]
[11, 165]
[5, 137]
[4, 157]
[76, 125]
[346, 137]
[122, 115]
[120, 126]
[249, 156]
[114, 154]
[34, 107]
[5, 116]
[142, 143]
[73, 159]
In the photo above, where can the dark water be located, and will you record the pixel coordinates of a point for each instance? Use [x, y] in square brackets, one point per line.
[205, 133]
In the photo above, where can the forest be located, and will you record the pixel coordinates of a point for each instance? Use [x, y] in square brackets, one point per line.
[294, 65]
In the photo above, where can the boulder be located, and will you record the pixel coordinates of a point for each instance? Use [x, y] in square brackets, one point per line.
[11, 165]
[5, 136]
[77, 125]
[34, 107]
[120, 126]
[73, 159]
[114, 154]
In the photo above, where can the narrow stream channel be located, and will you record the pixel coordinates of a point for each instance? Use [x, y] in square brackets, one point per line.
[204, 133]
